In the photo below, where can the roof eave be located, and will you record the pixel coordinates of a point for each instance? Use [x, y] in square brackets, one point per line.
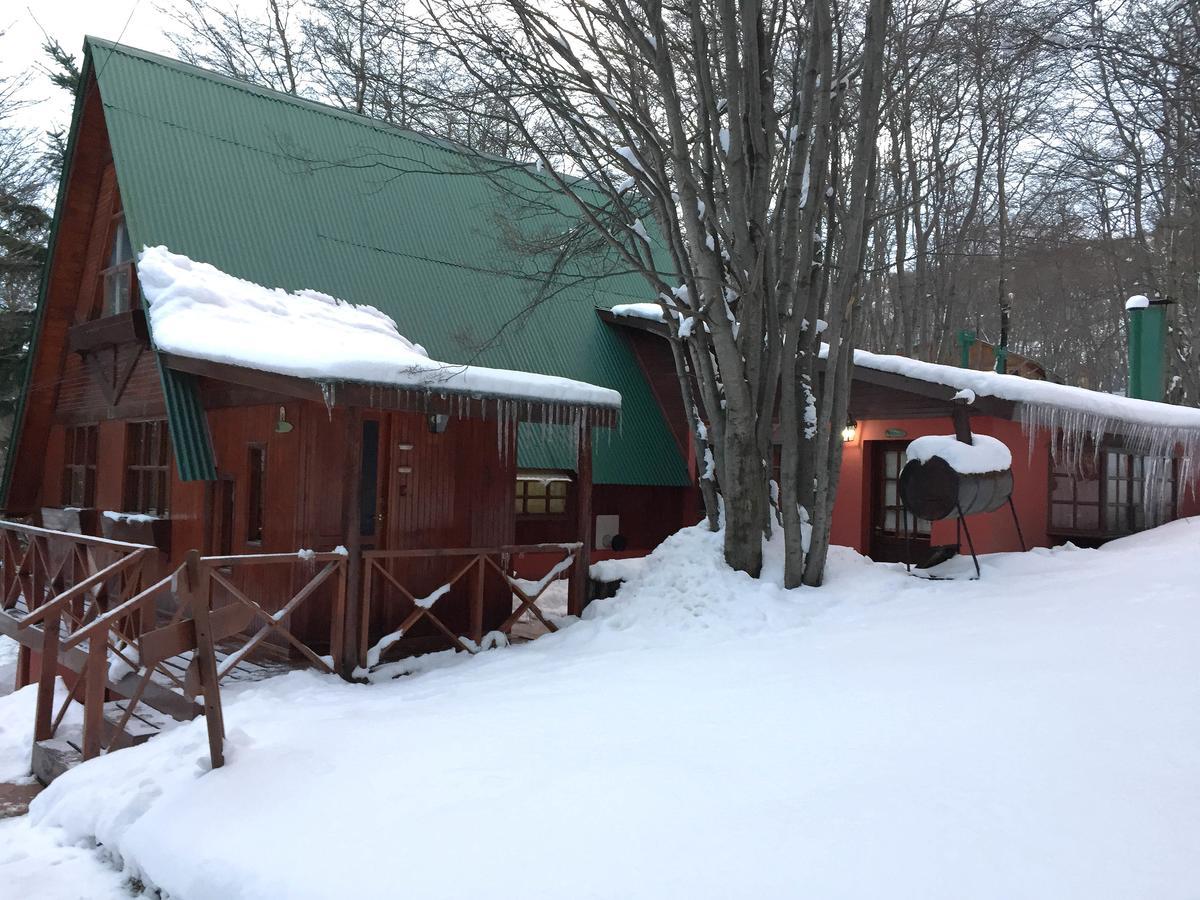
[437, 400]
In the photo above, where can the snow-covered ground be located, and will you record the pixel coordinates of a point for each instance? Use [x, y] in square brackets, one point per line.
[8, 665]
[1029, 735]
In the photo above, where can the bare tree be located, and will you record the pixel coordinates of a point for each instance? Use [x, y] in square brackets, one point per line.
[725, 151]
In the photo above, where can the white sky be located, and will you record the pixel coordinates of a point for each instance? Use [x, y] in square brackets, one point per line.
[69, 21]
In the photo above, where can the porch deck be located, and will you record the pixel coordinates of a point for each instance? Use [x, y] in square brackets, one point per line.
[138, 650]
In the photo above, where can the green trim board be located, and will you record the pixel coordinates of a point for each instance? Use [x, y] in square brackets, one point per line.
[286, 192]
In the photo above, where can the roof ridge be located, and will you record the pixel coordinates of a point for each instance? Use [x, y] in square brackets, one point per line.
[192, 70]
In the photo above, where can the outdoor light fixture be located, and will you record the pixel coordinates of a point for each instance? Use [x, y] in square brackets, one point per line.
[850, 431]
[283, 426]
[438, 422]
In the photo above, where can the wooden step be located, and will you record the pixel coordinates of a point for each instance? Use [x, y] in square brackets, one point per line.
[52, 758]
[144, 724]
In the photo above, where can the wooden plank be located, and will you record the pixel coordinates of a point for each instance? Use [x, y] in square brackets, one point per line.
[86, 540]
[509, 549]
[44, 710]
[197, 587]
[95, 681]
[179, 637]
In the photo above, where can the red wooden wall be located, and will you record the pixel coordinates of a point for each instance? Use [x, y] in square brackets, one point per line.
[992, 532]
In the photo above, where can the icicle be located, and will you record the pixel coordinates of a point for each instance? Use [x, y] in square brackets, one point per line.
[328, 395]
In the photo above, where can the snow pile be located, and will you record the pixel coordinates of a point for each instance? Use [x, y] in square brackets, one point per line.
[16, 729]
[1138, 301]
[986, 454]
[200, 312]
[9, 649]
[1031, 734]
[131, 518]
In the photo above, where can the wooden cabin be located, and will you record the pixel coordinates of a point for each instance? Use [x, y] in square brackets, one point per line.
[125, 437]
[1085, 486]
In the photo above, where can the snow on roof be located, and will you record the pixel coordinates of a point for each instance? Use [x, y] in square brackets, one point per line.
[1033, 392]
[1027, 391]
[984, 454]
[198, 311]
[652, 312]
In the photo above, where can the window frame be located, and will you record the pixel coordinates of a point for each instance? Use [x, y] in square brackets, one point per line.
[1130, 507]
[147, 485]
[256, 494]
[918, 528]
[522, 496]
[111, 269]
[73, 466]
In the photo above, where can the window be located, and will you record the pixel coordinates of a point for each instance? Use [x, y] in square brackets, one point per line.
[541, 495]
[119, 286]
[254, 509]
[223, 517]
[79, 473]
[146, 469]
[890, 512]
[1118, 493]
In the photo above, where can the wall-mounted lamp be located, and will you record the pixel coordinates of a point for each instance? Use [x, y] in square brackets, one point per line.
[850, 431]
[438, 422]
[283, 426]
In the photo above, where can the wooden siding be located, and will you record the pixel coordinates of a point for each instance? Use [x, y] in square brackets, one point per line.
[77, 219]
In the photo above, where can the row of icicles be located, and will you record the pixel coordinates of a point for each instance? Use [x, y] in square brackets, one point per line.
[1081, 433]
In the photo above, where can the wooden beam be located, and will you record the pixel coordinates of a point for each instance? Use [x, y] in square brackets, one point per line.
[352, 532]
[577, 590]
[435, 399]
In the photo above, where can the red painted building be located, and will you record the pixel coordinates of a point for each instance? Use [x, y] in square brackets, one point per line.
[1087, 497]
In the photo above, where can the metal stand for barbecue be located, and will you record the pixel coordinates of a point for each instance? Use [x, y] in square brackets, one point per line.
[960, 528]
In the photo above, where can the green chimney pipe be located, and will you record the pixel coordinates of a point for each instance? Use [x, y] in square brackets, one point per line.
[1147, 347]
[965, 340]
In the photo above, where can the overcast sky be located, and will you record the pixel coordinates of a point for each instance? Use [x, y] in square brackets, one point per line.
[69, 21]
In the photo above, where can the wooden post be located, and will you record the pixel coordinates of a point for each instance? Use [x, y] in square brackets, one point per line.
[477, 602]
[352, 529]
[196, 591]
[24, 668]
[43, 728]
[577, 589]
[95, 676]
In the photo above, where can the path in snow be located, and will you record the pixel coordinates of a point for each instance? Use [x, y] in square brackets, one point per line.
[1029, 735]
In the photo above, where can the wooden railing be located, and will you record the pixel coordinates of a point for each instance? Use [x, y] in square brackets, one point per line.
[383, 583]
[54, 586]
[83, 605]
[97, 608]
[221, 574]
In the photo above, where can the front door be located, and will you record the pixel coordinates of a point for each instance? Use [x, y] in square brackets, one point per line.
[373, 483]
[887, 512]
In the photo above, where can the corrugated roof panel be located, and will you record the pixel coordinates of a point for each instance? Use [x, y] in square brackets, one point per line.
[190, 437]
[289, 193]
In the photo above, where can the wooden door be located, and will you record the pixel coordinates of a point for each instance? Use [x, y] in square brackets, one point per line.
[373, 482]
[887, 512]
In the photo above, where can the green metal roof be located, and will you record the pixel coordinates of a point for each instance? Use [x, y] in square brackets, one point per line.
[290, 193]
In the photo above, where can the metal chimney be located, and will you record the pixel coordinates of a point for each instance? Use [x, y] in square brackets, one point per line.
[1147, 332]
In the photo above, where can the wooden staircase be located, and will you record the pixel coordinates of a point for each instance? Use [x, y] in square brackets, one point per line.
[138, 653]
